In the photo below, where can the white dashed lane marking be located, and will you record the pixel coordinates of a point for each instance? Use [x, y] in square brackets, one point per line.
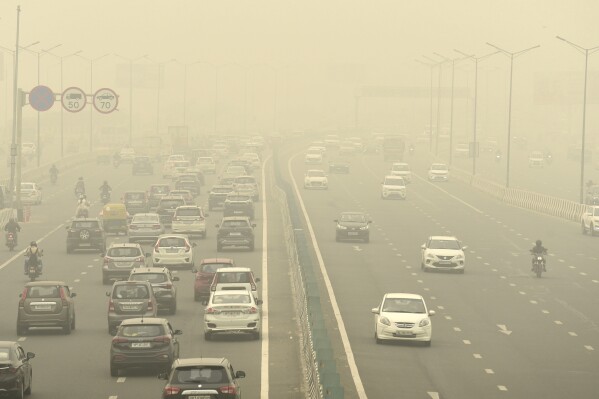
[121, 379]
[572, 334]
[477, 356]
[466, 341]
[489, 371]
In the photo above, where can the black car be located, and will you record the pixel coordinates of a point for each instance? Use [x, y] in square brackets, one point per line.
[236, 231]
[147, 342]
[163, 285]
[16, 373]
[210, 378]
[188, 182]
[136, 202]
[338, 167]
[217, 196]
[166, 208]
[353, 226]
[141, 165]
[85, 233]
[238, 204]
[156, 192]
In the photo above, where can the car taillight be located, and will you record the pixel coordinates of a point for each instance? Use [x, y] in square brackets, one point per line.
[63, 297]
[23, 297]
[150, 305]
[163, 339]
[170, 390]
[176, 219]
[155, 226]
[168, 285]
[187, 248]
[110, 306]
[139, 259]
[106, 259]
[253, 286]
[252, 310]
[228, 389]
[156, 247]
[212, 311]
[133, 227]
[119, 340]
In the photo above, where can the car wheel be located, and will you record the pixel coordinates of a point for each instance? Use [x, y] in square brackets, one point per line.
[251, 246]
[66, 329]
[584, 230]
[427, 343]
[21, 330]
[592, 229]
[207, 336]
[422, 267]
[114, 371]
[73, 323]
[20, 393]
[28, 390]
[256, 335]
[196, 297]
[219, 247]
[377, 339]
[173, 308]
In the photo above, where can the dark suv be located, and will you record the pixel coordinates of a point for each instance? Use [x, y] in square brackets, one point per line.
[204, 377]
[144, 343]
[217, 196]
[130, 299]
[166, 208]
[161, 280]
[236, 231]
[46, 304]
[136, 202]
[85, 233]
[205, 273]
[238, 204]
[156, 192]
[142, 164]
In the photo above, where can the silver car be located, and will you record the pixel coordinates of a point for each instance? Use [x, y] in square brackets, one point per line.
[172, 250]
[232, 312]
[145, 227]
[120, 259]
[190, 220]
[129, 299]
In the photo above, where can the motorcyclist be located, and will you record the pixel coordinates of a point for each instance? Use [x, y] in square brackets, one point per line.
[80, 186]
[105, 188]
[116, 158]
[539, 249]
[33, 256]
[12, 227]
[53, 170]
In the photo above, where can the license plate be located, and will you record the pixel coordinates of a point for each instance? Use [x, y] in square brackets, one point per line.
[128, 307]
[172, 251]
[403, 333]
[352, 233]
[123, 264]
[237, 212]
[231, 314]
[43, 307]
[199, 397]
[84, 244]
[140, 345]
[444, 262]
[235, 234]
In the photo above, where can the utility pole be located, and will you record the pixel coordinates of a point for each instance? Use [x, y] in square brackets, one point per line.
[15, 149]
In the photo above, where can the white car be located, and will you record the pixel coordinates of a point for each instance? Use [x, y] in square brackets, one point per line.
[31, 194]
[313, 158]
[28, 149]
[242, 183]
[402, 169]
[176, 157]
[173, 250]
[190, 220]
[232, 311]
[127, 154]
[403, 317]
[438, 172]
[316, 178]
[206, 165]
[253, 158]
[590, 220]
[393, 187]
[235, 170]
[536, 159]
[443, 253]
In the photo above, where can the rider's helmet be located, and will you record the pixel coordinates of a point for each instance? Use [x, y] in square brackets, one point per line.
[539, 243]
[81, 178]
[33, 244]
[105, 182]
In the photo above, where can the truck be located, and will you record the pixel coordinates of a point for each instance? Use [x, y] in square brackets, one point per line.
[393, 148]
[179, 140]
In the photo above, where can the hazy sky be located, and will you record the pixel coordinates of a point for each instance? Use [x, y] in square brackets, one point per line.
[327, 48]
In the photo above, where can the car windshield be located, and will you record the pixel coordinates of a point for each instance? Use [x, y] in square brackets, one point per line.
[245, 179]
[353, 217]
[596, 212]
[189, 212]
[135, 196]
[172, 242]
[213, 267]
[394, 181]
[232, 277]
[245, 187]
[42, 292]
[230, 298]
[27, 186]
[144, 219]
[172, 203]
[238, 198]
[235, 223]
[123, 252]
[85, 225]
[444, 244]
[401, 168]
[152, 278]
[316, 173]
[181, 164]
[403, 305]
[130, 291]
[221, 190]
[142, 330]
[439, 167]
[201, 374]
[159, 189]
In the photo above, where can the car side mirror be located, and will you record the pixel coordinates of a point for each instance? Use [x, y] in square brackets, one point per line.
[148, 255]
[257, 279]
[73, 294]
[163, 376]
[253, 224]
[240, 374]
[370, 221]
[336, 220]
[30, 355]
[259, 302]
[217, 226]
[206, 214]
[177, 332]
[66, 227]
[465, 247]
[102, 255]
[175, 278]
[432, 313]
[194, 270]
[423, 246]
[375, 310]
[193, 244]
[108, 294]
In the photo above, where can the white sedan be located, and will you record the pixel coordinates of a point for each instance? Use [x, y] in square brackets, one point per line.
[438, 172]
[31, 194]
[316, 178]
[402, 169]
[313, 158]
[443, 253]
[173, 250]
[403, 317]
[232, 311]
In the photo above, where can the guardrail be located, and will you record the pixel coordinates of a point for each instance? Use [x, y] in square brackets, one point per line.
[319, 363]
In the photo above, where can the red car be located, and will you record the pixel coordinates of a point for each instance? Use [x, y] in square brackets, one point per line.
[204, 274]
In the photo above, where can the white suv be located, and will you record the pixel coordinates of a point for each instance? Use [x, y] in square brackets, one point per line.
[190, 220]
[590, 220]
[393, 187]
[438, 172]
[403, 170]
[443, 253]
[316, 178]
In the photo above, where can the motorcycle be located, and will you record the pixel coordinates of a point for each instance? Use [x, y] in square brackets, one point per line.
[79, 191]
[538, 264]
[82, 211]
[11, 242]
[116, 163]
[53, 178]
[105, 197]
[34, 270]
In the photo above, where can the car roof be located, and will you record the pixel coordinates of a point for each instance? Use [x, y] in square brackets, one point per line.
[217, 260]
[237, 269]
[143, 269]
[124, 245]
[227, 218]
[403, 295]
[447, 238]
[201, 361]
[400, 163]
[127, 282]
[85, 220]
[353, 213]
[171, 197]
[315, 170]
[45, 283]
[438, 164]
[144, 320]
[7, 344]
[160, 185]
[147, 214]
[225, 292]
[189, 207]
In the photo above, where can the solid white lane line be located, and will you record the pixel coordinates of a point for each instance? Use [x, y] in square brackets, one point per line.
[559, 323]
[264, 363]
[351, 361]
[21, 339]
[466, 342]
[545, 311]
[76, 280]
[113, 397]
[433, 395]
[18, 254]
[457, 329]
[589, 348]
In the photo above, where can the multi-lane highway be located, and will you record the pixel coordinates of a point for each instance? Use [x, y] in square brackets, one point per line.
[499, 332]
[77, 365]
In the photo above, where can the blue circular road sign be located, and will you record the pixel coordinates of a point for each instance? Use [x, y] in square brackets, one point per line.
[41, 98]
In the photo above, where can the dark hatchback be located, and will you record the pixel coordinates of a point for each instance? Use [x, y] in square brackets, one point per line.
[141, 165]
[238, 204]
[156, 192]
[339, 167]
[16, 372]
[202, 378]
[85, 233]
[166, 208]
[235, 231]
[217, 196]
[136, 202]
[353, 226]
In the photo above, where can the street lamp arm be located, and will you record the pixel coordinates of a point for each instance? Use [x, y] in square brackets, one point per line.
[464, 54]
[516, 54]
[442, 56]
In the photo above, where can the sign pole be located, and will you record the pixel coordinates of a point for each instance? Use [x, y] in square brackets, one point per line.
[20, 104]
[14, 148]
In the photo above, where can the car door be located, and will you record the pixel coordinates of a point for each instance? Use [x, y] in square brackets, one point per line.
[174, 340]
[69, 298]
[24, 366]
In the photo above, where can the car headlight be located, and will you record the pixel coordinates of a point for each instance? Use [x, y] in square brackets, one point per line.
[340, 227]
[424, 323]
[364, 227]
[384, 320]
[430, 256]
[459, 257]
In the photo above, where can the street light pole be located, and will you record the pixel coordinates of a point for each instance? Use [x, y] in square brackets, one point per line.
[91, 92]
[15, 151]
[476, 60]
[440, 65]
[430, 123]
[131, 61]
[512, 55]
[586, 52]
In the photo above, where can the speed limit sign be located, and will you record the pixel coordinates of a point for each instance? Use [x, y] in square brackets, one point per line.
[73, 99]
[105, 100]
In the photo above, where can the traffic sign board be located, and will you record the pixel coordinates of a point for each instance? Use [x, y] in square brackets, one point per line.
[105, 100]
[73, 99]
[41, 98]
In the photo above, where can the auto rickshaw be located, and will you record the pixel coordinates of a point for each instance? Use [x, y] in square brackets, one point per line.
[114, 218]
